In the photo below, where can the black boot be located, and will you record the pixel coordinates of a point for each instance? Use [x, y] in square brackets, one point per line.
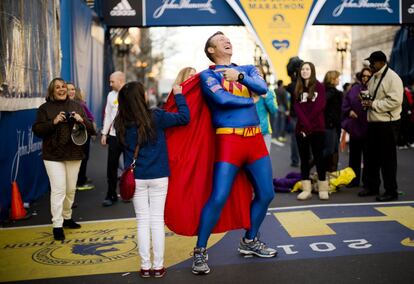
[367, 192]
[58, 234]
[71, 224]
[387, 197]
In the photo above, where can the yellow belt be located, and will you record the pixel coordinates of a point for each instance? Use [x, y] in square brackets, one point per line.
[246, 131]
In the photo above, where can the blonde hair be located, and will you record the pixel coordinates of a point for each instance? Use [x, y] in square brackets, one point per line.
[79, 95]
[330, 78]
[183, 75]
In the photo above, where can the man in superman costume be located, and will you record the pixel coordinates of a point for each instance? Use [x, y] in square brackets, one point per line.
[230, 92]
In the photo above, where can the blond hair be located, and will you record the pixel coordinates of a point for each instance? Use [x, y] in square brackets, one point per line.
[183, 75]
[330, 78]
[79, 95]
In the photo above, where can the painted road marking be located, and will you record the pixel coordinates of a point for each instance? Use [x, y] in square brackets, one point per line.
[408, 242]
[96, 248]
[109, 246]
[307, 223]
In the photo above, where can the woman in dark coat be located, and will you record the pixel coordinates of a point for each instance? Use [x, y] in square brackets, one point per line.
[62, 157]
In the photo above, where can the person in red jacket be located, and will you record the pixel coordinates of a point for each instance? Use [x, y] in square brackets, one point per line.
[309, 104]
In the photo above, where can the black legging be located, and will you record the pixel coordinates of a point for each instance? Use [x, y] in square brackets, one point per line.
[82, 178]
[114, 151]
[382, 156]
[314, 142]
[357, 150]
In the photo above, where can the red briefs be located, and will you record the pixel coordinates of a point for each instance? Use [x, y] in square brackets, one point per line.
[239, 150]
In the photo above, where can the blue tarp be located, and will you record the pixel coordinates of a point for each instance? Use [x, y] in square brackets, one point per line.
[29, 59]
[82, 61]
[402, 56]
[20, 158]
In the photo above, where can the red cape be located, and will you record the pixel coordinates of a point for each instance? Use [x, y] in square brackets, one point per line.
[191, 158]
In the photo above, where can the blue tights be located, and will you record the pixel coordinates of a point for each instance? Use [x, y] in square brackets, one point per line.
[260, 175]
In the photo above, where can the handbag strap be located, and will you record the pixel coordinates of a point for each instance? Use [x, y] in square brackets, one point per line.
[135, 155]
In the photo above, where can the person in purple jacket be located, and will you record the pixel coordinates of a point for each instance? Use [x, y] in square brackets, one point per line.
[309, 105]
[83, 182]
[354, 121]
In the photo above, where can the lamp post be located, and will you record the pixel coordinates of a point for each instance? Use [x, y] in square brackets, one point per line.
[342, 47]
[258, 56]
[141, 65]
[123, 46]
[263, 63]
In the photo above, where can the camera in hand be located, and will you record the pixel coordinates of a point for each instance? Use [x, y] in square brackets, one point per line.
[365, 96]
[69, 117]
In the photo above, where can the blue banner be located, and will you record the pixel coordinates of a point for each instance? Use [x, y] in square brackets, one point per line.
[145, 13]
[189, 13]
[368, 12]
[82, 54]
[20, 158]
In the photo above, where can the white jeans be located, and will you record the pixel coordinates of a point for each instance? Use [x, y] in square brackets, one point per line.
[62, 176]
[149, 202]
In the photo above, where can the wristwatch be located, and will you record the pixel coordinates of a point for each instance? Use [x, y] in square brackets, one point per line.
[240, 77]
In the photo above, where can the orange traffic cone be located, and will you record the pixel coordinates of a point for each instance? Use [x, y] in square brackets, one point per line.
[17, 210]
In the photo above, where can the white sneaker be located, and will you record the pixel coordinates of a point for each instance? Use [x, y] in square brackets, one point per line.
[277, 142]
[200, 266]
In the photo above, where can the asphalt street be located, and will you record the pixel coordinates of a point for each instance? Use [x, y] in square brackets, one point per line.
[300, 259]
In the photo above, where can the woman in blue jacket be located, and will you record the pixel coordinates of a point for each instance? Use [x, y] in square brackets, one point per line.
[135, 124]
[266, 106]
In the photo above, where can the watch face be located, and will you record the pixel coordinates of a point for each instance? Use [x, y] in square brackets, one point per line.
[241, 76]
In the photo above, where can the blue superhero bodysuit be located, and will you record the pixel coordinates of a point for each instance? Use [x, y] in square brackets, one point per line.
[239, 143]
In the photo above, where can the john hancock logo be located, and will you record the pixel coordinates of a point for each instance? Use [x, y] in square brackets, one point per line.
[183, 4]
[362, 4]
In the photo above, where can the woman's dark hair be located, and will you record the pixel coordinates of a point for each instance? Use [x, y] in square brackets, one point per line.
[300, 83]
[133, 110]
[50, 96]
[363, 70]
[360, 74]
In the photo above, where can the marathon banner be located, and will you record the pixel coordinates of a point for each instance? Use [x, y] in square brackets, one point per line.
[407, 11]
[123, 13]
[278, 26]
[189, 13]
[141, 13]
[145, 13]
[352, 12]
